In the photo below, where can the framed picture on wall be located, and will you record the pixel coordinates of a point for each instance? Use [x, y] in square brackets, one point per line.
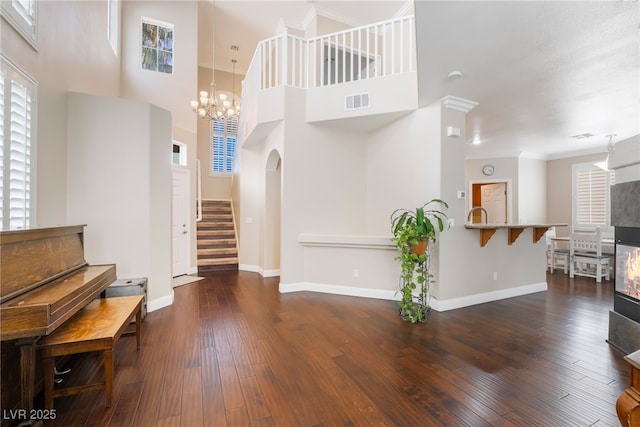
[156, 46]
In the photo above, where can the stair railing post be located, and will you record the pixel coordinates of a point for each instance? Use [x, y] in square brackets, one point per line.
[285, 56]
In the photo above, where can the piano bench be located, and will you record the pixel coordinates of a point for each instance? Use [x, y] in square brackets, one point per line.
[96, 327]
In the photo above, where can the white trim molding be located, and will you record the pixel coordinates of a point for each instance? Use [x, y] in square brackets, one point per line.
[257, 269]
[161, 302]
[352, 291]
[458, 104]
[466, 301]
[346, 241]
[391, 295]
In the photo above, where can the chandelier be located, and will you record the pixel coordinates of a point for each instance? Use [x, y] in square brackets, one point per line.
[213, 105]
[217, 106]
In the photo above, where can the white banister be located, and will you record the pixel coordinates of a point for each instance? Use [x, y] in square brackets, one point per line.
[199, 189]
[370, 51]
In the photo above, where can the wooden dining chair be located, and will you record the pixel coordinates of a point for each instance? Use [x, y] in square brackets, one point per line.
[557, 257]
[586, 257]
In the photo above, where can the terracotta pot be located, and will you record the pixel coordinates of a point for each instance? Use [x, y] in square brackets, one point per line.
[420, 247]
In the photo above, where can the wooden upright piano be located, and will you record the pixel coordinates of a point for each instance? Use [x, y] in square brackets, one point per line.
[44, 281]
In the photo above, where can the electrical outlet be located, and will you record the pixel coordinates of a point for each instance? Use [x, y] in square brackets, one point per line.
[356, 273]
[452, 223]
[495, 275]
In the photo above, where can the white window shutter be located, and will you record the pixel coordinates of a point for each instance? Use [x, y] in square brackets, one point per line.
[223, 145]
[591, 195]
[16, 167]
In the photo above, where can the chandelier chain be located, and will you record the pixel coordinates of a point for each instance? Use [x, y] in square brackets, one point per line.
[214, 105]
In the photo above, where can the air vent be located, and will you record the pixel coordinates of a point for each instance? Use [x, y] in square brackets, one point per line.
[582, 136]
[356, 102]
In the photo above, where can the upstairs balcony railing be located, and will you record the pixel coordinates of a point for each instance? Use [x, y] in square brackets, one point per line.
[371, 51]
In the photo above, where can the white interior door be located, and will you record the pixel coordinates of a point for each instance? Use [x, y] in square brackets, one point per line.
[181, 221]
[494, 200]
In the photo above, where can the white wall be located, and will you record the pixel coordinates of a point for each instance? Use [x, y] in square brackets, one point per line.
[340, 186]
[323, 184]
[559, 193]
[506, 168]
[172, 92]
[51, 158]
[73, 51]
[626, 160]
[532, 186]
[272, 206]
[73, 54]
[403, 166]
[466, 274]
[119, 184]
[389, 94]
[250, 185]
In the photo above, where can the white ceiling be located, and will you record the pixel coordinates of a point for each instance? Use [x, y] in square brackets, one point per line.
[540, 71]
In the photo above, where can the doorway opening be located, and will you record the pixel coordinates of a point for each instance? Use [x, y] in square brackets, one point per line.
[270, 257]
[494, 197]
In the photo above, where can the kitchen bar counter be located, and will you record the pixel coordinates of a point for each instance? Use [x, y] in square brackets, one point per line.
[513, 230]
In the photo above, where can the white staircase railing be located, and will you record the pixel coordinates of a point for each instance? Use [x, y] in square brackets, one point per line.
[375, 50]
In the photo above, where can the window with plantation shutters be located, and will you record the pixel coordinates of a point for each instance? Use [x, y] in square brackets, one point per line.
[23, 17]
[16, 160]
[591, 190]
[223, 145]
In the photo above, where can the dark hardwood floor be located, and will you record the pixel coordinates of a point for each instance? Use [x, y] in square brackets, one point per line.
[232, 351]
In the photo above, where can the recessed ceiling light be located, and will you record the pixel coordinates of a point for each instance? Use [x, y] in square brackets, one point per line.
[454, 75]
[582, 135]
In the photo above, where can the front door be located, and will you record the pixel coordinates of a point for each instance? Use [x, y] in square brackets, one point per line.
[181, 222]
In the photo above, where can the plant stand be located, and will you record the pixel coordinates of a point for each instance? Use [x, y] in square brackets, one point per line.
[412, 233]
[415, 308]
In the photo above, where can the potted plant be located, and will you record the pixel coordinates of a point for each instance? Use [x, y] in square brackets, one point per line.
[412, 231]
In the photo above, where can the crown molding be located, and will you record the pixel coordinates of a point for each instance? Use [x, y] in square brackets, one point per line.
[313, 12]
[326, 13]
[406, 10]
[459, 104]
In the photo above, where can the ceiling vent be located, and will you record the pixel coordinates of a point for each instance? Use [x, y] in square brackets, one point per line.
[585, 135]
[357, 102]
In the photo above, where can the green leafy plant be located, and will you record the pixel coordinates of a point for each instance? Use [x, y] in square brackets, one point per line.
[410, 228]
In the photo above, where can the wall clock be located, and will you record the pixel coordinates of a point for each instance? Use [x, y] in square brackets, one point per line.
[488, 170]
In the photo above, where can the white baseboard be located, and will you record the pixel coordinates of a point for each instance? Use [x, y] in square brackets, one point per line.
[466, 301]
[248, 267]
[161, 302]
[259, 270]
[338, 290]
[269, 273]
[391, 295]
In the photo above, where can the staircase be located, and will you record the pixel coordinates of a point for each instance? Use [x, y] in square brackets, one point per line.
[217, 249]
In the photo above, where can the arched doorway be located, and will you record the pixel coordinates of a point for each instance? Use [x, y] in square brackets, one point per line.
[273, 200]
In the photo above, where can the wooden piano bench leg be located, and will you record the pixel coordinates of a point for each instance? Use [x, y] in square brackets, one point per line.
[139, 326]
[48, 370]
[108, 375]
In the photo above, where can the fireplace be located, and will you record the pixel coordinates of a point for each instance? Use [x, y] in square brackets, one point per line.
[626, 299]
[624, 319]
